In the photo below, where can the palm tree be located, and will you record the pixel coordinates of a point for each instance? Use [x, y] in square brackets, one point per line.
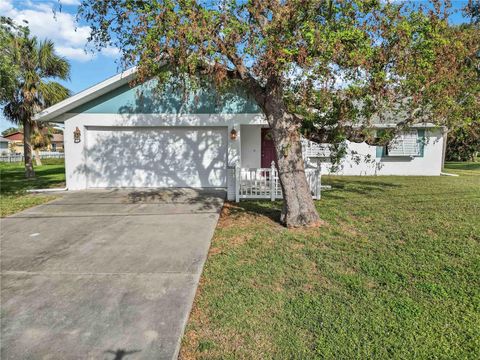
[34, 91]
[41, 138]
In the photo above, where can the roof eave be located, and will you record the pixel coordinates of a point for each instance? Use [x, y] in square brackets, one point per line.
[85, 96]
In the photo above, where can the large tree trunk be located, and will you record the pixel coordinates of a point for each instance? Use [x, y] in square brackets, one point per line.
[27, 149]
[298, 206]
[38, 161]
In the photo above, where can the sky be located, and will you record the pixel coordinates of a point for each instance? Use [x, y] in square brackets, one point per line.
[70, 39]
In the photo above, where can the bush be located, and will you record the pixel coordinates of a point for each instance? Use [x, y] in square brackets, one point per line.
[463, 144]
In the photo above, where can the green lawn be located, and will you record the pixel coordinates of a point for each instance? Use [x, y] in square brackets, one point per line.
[14, 186]
[394, 273]
[463, 168]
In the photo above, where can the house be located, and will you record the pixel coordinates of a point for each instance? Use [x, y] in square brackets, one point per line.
[56, 143]
[153, 135]
[4, 146]
[16, 143]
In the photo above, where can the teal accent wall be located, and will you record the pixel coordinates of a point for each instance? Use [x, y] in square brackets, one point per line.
[380, 151]
[149, 98]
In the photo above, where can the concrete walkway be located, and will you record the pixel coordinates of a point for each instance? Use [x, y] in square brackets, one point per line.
[108, 274]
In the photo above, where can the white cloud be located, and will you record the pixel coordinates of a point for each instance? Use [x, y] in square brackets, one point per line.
[69, 38]
[111, 51]
[70, 2]
[78, 54]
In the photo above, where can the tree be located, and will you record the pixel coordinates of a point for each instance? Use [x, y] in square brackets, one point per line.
[41, 138]
[464, 143]
[463, 140]
[36, 63]
[324, 69]
[9, 131]
[8, 67]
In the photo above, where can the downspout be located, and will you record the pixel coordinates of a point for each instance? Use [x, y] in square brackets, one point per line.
[444, 149]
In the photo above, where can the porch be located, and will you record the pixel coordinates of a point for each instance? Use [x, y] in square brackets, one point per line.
[255, 175]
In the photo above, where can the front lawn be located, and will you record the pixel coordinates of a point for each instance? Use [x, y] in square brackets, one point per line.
[394, 273]
[14, 186]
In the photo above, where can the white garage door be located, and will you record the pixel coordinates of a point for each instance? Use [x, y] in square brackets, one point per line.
[156, 157]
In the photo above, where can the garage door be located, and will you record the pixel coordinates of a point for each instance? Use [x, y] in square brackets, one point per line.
[156, 157]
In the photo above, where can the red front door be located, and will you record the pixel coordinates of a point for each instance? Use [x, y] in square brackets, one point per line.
[268, 149]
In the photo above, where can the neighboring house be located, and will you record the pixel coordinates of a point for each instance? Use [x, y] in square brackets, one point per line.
[56, 143]
[4, 146]
[152, 136]
[16, 143]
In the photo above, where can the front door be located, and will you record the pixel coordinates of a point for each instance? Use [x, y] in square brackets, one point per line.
[268, 149]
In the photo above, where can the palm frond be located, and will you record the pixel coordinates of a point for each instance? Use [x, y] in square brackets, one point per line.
[42, 136]
[52, 92]
[50, 63]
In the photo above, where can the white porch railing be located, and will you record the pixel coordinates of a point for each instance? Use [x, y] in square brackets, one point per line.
[263, 183]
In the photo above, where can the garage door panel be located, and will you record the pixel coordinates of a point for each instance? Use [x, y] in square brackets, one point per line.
[175, 157]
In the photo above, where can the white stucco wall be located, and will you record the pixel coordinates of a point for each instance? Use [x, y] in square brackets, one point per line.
[430, 164]
[76, 153]
[251, 144]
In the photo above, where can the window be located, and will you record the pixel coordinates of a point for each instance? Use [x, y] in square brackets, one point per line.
[313, 149]
[409, 143]
[405, 144]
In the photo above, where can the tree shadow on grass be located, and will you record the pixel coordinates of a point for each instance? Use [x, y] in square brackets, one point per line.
[272, 209]
[360, 187]
[13, 180]
[269, 209]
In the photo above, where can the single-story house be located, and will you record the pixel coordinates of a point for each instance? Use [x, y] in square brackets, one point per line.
[56, 143]
[122, 136]
[16, 143]
[4, 146]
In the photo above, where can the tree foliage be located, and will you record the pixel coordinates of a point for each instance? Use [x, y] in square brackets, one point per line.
[463, 143]
[328, 69]
[9, 70]
[329, 56]
[30, 87]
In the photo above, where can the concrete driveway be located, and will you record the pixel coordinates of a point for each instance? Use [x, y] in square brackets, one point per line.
[107, 274]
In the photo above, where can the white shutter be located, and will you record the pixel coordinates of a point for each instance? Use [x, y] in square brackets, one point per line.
[312, 149]
[405, 144]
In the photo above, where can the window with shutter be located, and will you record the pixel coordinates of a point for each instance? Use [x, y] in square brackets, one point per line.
[313, 149]
[405, 144]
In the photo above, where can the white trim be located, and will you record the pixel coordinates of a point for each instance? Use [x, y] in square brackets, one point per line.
[47, 190]
[412, 126]
[147, 120]
[86, 95]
